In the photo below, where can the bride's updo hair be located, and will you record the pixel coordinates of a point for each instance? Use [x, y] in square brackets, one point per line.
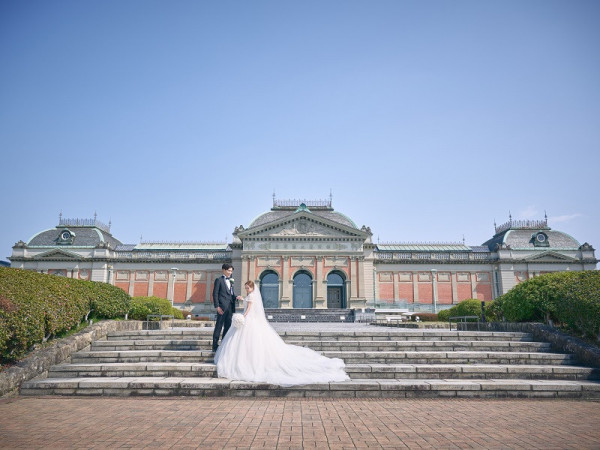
[250, 283]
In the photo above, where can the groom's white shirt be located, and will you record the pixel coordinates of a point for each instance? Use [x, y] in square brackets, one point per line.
[228, 283]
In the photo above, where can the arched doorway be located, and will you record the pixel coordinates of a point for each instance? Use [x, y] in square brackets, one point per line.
[302, 290]
[336, 290]
[269, 289]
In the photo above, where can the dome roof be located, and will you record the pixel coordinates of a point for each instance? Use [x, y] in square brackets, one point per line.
[524, 239]
[329, 214]
[76, 236]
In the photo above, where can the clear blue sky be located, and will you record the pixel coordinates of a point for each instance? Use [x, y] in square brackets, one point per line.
[427, 119]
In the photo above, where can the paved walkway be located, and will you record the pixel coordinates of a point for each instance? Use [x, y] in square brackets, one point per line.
[50, 422]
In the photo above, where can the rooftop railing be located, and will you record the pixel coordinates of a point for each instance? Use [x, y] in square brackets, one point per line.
[84, 223]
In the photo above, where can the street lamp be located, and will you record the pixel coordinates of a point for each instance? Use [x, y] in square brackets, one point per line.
[434, 288]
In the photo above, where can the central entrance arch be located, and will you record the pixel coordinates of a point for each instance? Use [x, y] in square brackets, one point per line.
[303, 290]
[336, 290]
[269, 289]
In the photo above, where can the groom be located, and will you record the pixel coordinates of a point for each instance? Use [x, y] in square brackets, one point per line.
[224, 301]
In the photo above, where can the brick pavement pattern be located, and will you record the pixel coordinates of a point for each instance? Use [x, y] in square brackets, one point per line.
[180, 423]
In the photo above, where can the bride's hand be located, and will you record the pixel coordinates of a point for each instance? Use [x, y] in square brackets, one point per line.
[239, 297]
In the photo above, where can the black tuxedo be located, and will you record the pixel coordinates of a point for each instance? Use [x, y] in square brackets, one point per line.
[224, 298]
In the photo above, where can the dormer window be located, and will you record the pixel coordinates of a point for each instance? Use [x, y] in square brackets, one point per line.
[65, 237]
[540, 239]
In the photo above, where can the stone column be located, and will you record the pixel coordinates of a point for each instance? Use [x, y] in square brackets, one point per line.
[131, 281]
[188, 292]
[170, 285]
[150, 283]
[320, 297]
[415, 278]
[244, 274]
[209, 283]
[473, 285]
[353, 283]
[286, 297]
[454, 287]
[252, 263]
[361, 280]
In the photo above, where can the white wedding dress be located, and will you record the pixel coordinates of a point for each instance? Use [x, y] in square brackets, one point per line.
[256, 353]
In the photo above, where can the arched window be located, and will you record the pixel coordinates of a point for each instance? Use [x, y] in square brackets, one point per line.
[302, 290]
[336, 290]
[269, 289]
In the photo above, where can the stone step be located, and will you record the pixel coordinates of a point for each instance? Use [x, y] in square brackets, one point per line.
[205, 344]
[375, 388]
[371, 335]
[384, 357]
[355, 371]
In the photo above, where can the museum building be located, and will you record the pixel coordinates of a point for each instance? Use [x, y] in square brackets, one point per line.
[304, 254]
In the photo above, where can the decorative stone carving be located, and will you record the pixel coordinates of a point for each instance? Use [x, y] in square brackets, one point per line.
[303, 227]
[424, 276]
[302, 261]
[160, 275]
[141, 275]
[482, 276]
[443, 276]
[463, 276]
[272, 261]
[122, 275]
[386, 276]
[338, 261]
[405, 276]
[198, 276]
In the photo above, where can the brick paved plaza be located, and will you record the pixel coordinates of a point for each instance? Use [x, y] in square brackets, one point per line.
[50, 422]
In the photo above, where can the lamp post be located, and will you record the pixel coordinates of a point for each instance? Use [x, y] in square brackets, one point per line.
[434, 289]
[174, 272]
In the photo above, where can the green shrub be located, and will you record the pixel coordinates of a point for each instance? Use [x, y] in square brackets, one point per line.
[468, 307]
[493, 310]
[568, 298]
[108, 301]
[141, 307]
[35, 307]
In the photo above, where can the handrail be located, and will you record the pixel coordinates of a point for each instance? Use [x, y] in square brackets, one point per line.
[462, 319]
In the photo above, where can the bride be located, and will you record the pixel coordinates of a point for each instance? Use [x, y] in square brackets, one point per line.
[254, 352]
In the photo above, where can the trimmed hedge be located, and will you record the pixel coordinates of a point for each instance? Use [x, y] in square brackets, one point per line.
[571, 299]
[35, 307]
[142, 306]
[468, 307]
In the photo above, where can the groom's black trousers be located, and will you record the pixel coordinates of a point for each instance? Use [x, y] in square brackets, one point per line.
[224, 323]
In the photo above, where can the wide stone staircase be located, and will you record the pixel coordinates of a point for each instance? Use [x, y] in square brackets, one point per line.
[380, 362]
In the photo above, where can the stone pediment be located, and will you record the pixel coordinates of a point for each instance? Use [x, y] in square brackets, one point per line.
[303, 225]
[59, 254]
[549, 257]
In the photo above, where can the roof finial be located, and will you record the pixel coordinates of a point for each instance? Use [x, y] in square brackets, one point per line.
[330, 197]
[509, 216]
[109, 223]
[463, 239]
[545, 216]
[95, 216]
[273, 197]
[141, 237]
[495, 226]
[60, 217]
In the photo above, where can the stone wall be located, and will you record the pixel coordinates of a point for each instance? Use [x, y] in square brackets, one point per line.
[586, 354]
[39, 361]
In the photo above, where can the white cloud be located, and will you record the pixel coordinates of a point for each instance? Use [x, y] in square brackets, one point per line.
[564, 218]
[530, 212]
